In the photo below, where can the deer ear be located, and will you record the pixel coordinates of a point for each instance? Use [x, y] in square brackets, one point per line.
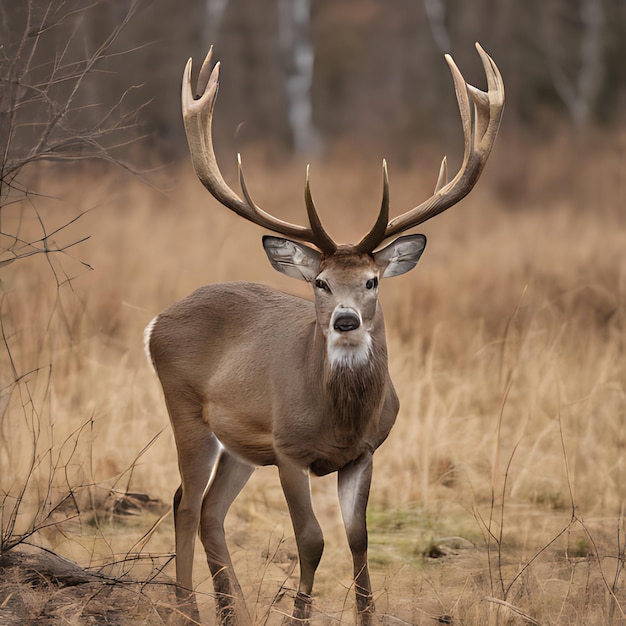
[400, 255]
[292, 258]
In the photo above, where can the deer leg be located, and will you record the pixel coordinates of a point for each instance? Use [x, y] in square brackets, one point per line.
[297, 490]
[353, 486]
[198, 453]
[230, 477]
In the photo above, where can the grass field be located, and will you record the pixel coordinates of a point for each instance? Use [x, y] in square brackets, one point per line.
[499, 496]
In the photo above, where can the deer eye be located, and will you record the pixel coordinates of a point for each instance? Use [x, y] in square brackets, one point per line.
[372, 283]
[322, 284]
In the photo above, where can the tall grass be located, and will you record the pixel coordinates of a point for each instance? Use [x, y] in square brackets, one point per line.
[506, 347]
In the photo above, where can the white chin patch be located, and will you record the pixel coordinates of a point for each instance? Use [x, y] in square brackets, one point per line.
[346, 352]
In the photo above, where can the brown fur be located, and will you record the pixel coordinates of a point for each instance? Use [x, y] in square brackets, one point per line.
[355, 395]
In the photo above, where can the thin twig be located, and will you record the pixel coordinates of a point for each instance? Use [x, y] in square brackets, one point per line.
[514, 609]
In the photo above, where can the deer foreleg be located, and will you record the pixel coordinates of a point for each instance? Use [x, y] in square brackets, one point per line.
[354, 486]
[295, 483]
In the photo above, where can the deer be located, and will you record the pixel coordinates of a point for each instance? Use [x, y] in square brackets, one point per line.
[252, 376]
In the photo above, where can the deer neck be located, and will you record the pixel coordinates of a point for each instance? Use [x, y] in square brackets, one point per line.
[354, 389]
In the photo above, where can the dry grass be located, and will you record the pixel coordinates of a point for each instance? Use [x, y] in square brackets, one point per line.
[499, 495]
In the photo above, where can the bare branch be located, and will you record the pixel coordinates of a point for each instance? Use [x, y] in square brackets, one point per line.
[39, 99]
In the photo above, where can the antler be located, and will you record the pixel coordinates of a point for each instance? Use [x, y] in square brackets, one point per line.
[480, 127]
[198, 118]
[480, 130]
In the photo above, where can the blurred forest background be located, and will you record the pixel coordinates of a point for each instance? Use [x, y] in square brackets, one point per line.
[305, 75]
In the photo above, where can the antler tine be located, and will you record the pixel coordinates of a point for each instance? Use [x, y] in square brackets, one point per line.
[205, 73]
[442, 179]
[480, 127]
[323, 240]
[377, 234]
[198, 118]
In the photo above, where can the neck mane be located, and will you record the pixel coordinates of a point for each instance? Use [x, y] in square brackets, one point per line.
[355, 393]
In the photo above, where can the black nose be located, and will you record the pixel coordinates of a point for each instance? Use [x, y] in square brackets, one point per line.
[346, 322]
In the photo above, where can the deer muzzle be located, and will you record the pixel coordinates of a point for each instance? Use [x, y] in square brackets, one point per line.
[345, 320]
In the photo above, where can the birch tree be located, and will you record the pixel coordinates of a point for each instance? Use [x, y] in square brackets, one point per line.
[297, 53]
[577, 73]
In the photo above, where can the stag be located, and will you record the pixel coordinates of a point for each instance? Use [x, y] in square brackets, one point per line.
[252, 376]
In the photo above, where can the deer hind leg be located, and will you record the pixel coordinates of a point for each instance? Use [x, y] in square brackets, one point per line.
[198, 455]
[230, 477]
[353, 486]
[297, 490]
